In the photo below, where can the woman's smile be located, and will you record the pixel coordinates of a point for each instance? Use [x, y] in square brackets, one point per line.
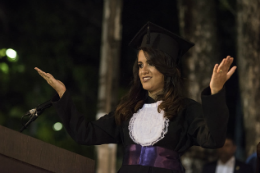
[146, 78]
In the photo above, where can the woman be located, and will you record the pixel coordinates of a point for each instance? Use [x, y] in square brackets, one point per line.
[154, 122]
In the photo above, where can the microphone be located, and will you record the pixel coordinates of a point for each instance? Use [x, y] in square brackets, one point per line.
[33, 113]
[40, 108]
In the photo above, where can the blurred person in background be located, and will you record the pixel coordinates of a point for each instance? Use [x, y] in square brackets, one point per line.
[227, 163]
[258, 158]
[252, 160]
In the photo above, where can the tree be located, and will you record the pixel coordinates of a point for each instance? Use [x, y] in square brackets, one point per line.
[198, 25]
[108, 77]
[248, 53]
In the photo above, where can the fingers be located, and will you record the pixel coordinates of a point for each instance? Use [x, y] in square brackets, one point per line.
[54, 83]
[231, 72]
[225, 64]
[47, 76]
[229, 62]
[215, 69]
[221, 67]
[221, 64]
[42, 73]
[224, 67]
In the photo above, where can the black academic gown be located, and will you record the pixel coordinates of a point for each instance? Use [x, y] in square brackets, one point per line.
[204, 125]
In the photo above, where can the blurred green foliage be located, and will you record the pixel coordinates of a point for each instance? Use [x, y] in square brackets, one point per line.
[62, 38]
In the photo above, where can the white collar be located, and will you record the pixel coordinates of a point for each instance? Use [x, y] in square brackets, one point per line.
[148, 126]
[231, 161]
[227, 167]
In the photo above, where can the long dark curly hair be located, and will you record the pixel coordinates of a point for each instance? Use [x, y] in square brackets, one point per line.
[172, 95]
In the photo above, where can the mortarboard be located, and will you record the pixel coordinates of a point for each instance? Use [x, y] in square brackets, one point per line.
[154, 36]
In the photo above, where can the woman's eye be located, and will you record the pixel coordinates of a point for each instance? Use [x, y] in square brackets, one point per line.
[140, 65]
[150, 63]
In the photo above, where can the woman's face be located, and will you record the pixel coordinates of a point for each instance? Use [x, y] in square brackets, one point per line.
[151, 79]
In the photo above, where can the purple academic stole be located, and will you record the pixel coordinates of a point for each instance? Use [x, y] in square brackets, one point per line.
[152, 156]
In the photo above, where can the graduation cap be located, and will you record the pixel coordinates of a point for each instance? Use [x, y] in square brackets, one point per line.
[154, 36]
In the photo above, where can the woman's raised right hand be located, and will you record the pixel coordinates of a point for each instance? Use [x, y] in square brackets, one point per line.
[54, 83]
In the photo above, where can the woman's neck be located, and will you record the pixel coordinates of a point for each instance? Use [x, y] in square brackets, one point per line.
[154, 95]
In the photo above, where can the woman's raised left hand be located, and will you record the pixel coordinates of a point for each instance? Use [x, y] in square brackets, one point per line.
[54, 83]
[221, 73]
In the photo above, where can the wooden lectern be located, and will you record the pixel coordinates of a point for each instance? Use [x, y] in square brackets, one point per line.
[20, 153]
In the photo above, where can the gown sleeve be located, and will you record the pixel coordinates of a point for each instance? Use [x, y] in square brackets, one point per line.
[101, 131]
[208, 122]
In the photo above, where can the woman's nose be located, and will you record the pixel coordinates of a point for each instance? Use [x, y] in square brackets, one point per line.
[145, 70]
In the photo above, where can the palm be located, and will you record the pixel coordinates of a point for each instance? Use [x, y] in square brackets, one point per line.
[221, 74]
[54, 83]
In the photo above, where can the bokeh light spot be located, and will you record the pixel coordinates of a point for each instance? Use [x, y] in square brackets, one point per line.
[11, 53]
[20, 68]
[57, 126]
[2, 52]
[4, 67]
